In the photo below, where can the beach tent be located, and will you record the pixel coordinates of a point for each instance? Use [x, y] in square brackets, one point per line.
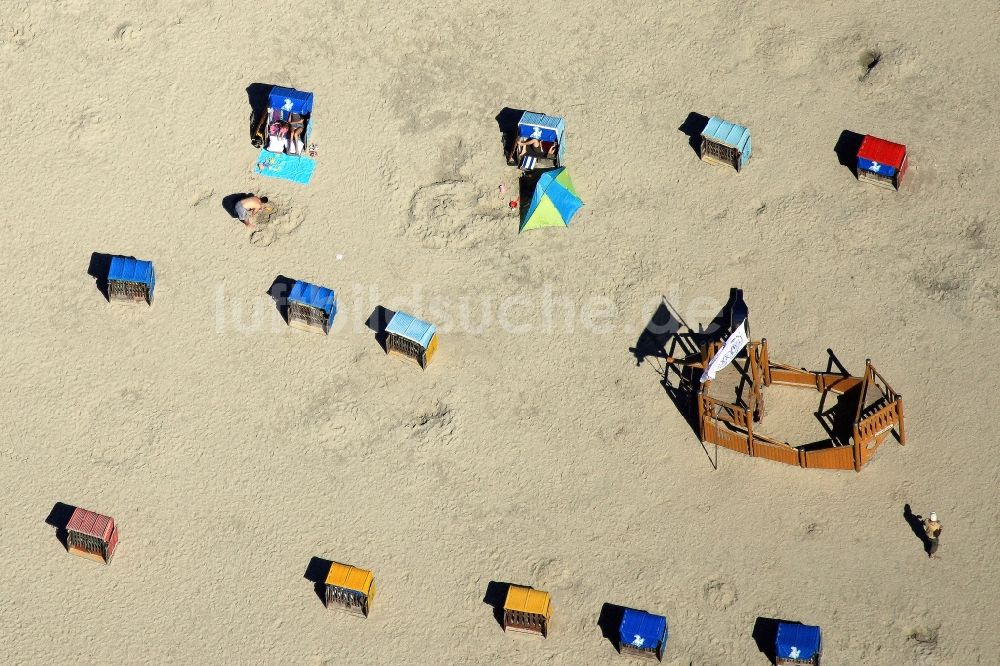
[549, 130]
[349, 589]
[554, 202]
[642, 634]
[311, 307]
[882, 162]
[91, 535]
[723, 142]
[411, 338]
[299, 166]
[797, 644]
[131, 280]
[527, 610]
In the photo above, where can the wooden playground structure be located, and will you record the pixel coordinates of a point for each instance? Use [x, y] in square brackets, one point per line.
[867, 409]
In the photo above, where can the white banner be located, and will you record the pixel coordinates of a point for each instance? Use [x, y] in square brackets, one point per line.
[734, 345]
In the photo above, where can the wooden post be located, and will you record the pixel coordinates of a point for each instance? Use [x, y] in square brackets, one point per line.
[701, 415]
[748, 415]
[864, 392]
[857, 448]
[765, 362]
[753, 354]
[899, 415]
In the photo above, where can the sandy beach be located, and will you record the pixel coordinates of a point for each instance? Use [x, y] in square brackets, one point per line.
[536, 449]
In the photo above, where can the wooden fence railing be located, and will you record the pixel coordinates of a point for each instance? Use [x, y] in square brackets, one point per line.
[731, 426]
[759, 446]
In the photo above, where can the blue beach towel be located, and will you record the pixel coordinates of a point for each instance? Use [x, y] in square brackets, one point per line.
[296, 168]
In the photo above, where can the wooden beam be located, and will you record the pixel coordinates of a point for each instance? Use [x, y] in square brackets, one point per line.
[758, 398]
[765, 361]
[899, 415]
[864, 392]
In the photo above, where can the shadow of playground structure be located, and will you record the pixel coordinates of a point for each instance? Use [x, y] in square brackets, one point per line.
[667, 336]
[668, 341]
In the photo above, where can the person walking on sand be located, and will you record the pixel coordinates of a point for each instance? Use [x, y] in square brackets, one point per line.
[932, 527]
[247, 209]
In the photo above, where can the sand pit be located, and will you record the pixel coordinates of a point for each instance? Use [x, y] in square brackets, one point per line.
[534, 450]
[791, 416]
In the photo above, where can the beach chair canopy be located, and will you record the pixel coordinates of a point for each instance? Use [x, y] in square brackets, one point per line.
[127, 269]
[880, 156]
[729, 134]
[407, 326]
[554, 202]
[527, 600]
[539, 126]
[642, 630]
[797, 641]
[291, 100]
[349, 578]
[91, 524]
[314, 296]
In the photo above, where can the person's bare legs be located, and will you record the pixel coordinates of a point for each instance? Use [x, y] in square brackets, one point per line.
[534, 144]
[519, 149]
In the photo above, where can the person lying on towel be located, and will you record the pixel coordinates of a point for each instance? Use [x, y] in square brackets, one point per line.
[277, 140]
[298, 125]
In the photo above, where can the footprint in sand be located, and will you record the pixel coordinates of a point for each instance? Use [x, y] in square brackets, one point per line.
[201, 196]
[87, 128]
[719, 594]
[125, 33]
[453, 213]
[16, 38]
[924, 638]
[551, 573]
[287, 223]
[274, 226]
[815, 529]
[262, 237]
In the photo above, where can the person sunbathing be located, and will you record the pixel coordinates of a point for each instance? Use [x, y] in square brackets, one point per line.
[536, 146]
[297, 126]
[522, 145]
[277, 140]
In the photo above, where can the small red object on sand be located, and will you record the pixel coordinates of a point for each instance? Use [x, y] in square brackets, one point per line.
[514, 204]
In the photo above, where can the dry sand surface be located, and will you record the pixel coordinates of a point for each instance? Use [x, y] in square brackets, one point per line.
[232, 450]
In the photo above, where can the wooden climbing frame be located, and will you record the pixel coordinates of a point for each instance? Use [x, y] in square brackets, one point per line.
[877, 413]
